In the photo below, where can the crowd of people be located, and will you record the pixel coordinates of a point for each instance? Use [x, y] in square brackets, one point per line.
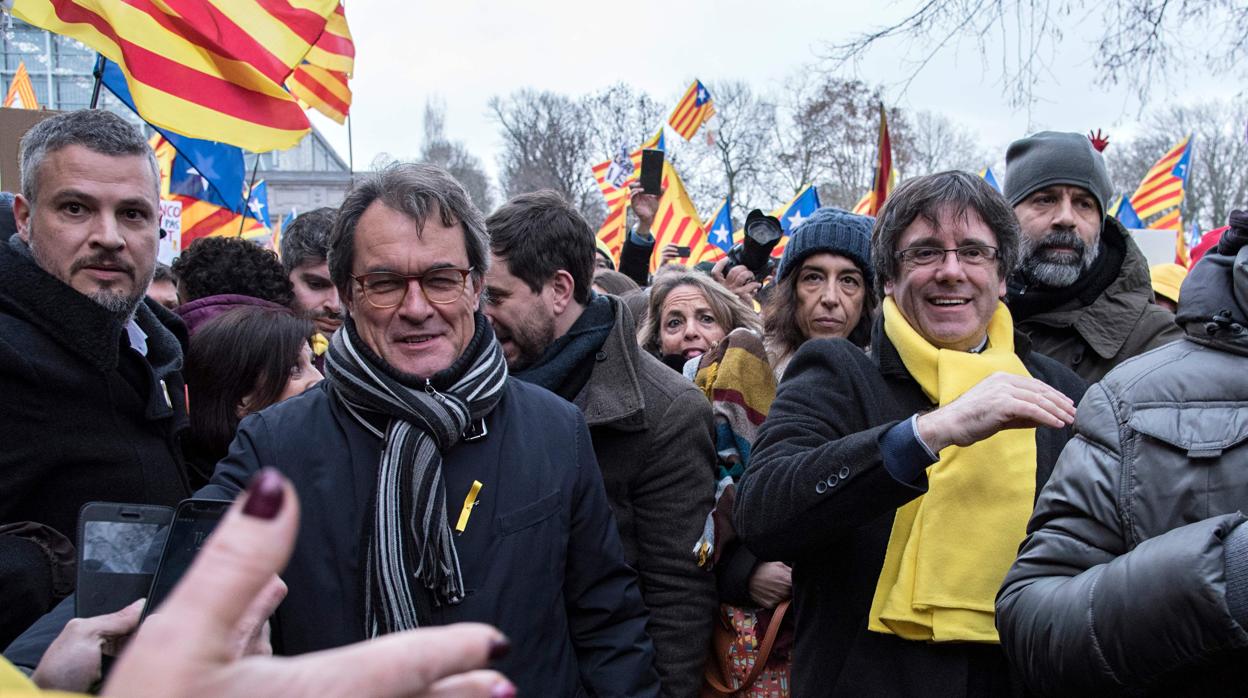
[959, 449]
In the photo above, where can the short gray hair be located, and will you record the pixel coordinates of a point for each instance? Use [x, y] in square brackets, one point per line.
[926, 197]
[306, 238]
[419, 191]
[97, 130]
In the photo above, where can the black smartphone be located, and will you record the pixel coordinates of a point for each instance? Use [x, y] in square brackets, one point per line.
[652, 171]
[683, 251]
[193, 521]
[118, 550]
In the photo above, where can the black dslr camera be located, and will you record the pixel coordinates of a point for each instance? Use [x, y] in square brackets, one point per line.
[762, 232]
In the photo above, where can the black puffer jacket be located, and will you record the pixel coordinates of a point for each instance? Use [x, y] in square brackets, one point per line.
[1132, 578]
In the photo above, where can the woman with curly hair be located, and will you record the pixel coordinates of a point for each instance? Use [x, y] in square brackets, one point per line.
[217, 274]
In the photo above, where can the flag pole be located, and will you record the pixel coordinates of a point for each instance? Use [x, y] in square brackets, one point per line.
[99, 76]
[243, 221]
[350, 152]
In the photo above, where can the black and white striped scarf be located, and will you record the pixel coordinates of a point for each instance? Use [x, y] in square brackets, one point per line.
[411, 536]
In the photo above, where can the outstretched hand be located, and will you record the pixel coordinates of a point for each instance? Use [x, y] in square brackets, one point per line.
[190, 647]
[999, 402]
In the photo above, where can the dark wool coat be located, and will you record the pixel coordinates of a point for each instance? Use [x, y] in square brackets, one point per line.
[540, 556]
[651, 430]
[1122, 322]
[816, 493]
[83, 417]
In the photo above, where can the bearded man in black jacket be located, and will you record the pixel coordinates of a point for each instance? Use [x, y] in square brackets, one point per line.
[88, 366]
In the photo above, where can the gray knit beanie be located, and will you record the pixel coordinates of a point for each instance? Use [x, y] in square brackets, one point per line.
[834, 230]
[1049, 157]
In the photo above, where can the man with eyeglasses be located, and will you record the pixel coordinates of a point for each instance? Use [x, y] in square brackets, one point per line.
[435, 489]
[899, 482]
[1083, 292]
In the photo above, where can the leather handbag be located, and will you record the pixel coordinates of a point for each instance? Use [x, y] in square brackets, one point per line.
[719, 680]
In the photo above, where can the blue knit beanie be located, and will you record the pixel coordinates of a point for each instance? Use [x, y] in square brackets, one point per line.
[833, 230]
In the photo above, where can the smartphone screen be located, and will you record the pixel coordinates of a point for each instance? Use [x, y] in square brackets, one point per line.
[652, 171]
[194, 520]
[118, 550]
[684, 251]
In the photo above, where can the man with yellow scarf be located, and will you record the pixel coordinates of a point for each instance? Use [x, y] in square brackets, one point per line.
[898, 483]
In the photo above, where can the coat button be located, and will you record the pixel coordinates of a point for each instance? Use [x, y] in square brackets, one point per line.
[821, 487]
[600, 356]
[832, 480]
[844, 472]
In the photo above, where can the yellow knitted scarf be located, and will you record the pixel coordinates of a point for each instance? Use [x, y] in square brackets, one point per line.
[950, 548]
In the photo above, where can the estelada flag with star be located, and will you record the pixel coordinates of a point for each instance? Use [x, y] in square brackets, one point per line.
[798, 210]
[719, 235]
[692, 111]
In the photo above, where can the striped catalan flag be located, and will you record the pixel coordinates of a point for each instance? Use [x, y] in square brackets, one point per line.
[692, 111]
[202, 219]
[1163, 186]
[677, 221]
[321, 89]
[614, 181]
[335, 49]
[191, 66]
[21, 90]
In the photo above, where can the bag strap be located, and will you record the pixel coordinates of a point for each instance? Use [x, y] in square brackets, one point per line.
[760, 661]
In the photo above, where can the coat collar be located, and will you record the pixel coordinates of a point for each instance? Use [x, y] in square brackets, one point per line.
[613, 394]
[1107, 322]
[76, 322]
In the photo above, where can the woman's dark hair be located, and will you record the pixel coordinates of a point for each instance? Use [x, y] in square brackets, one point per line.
[215, 266]
[245, 351]
[783, 335]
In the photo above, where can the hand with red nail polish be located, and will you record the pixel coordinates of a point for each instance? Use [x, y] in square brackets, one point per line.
[191, 647]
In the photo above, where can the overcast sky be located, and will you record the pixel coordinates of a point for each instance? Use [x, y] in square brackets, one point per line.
[467, 51]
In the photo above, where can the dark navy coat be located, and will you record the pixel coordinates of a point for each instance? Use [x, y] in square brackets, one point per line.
[541, 556]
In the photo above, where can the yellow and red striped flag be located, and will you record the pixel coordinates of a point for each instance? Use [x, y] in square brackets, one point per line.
[1163, 186]
[692, 111]
[677, 221]
[613, 177]
[205, 219]
[21, 90]
[211, 69]
[335, 49]
[324, 90]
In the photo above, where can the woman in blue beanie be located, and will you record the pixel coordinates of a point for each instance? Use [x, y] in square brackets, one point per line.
[823, 286]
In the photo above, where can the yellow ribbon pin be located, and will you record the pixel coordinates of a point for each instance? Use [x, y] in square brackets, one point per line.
[469, 502]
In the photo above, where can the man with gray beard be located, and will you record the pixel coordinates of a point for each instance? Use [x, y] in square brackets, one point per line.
[89, 367]
[1082, 292]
